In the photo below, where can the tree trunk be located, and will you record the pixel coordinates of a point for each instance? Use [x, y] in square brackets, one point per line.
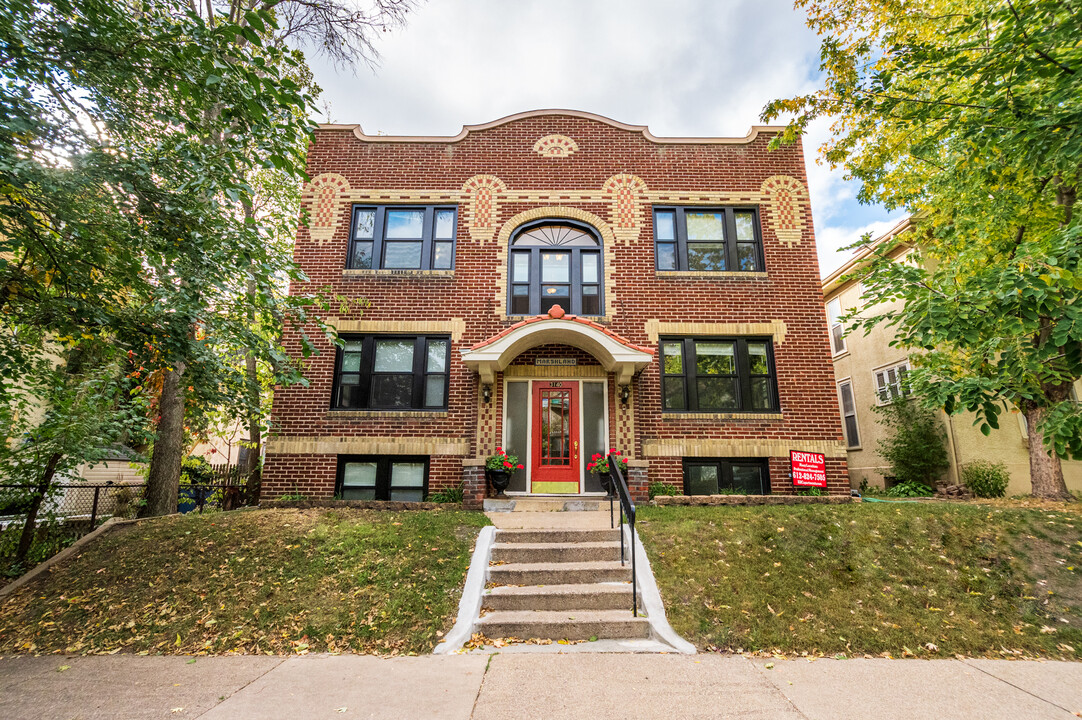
[1045, 470]
[255, 439]
[163, 483]
[26, 539]
[255, 416]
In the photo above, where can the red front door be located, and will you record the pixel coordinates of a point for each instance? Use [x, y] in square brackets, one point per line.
[555, 463]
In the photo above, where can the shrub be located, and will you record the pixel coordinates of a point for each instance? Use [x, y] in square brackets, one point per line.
[910, 488]
[195, 470]
[659, 488]
[916, 446]
[447, 495]
[986, 479]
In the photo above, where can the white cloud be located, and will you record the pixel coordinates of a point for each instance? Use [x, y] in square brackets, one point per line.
[682, 67]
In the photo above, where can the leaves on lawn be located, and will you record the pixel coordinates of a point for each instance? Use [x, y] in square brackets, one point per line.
[253, 582]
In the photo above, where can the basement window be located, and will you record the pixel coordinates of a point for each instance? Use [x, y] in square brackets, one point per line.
[382, 477]
[726, 476]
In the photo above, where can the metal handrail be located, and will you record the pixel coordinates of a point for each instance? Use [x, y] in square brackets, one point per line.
[618, 489]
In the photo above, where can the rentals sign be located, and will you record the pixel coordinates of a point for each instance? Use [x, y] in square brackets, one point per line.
[809, 469]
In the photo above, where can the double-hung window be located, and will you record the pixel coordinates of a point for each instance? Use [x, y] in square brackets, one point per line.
[890, 383]
[555, 264]
[707, 239]
[382, 477]
[837, 330]
[718, 374]
[391, 237]
[726, 476]
[849, 414]
[383, 372]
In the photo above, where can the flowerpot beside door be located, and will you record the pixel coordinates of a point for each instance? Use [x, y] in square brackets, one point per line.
[499, 480]
[498, 469]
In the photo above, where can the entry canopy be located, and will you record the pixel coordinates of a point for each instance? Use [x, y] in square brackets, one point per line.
[615, 354]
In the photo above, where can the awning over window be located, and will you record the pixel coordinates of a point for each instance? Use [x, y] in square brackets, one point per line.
[615, 354]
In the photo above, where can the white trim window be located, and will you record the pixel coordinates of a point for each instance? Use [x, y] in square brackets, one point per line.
[890, 382]
[837, 330]
[849, 414]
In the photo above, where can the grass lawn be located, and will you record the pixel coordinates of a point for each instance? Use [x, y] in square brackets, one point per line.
[253, 581]
[924, 580]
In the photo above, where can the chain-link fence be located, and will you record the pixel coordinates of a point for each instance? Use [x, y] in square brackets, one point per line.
[71, 510]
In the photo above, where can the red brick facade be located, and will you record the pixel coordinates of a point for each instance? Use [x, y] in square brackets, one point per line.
[610, 176]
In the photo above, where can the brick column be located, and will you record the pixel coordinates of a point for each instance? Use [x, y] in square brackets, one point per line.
[473, 485]
[637, 484]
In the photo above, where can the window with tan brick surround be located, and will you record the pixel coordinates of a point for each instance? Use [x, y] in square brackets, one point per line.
[389, 372]
[398, 237]
[711, 374]
[707, 239]
[555, 263]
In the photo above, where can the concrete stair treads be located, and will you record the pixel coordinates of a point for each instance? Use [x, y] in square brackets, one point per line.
[564, 624]
[557, 536]
[559, 573]
[555, 552]
[583, 596]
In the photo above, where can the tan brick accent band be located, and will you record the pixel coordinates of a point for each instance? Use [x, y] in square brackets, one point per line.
[455, 326]
[720, 416]
[775, 328]
[555, 371]
[689, 447]
[333, 445]
[723, 275]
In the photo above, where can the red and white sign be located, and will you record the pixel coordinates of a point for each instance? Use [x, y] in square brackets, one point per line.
[809, 469]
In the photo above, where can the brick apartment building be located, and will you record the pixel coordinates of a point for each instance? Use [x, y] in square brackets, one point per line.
[558, 284]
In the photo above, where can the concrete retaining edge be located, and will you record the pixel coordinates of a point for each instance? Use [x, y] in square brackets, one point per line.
[469, 607]
[697, 500]
[650, 598]
[66, 553]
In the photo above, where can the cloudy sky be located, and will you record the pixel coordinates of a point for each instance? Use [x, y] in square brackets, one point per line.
[681, 67]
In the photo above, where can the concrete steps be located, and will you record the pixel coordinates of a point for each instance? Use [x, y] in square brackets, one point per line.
[559, 585]
[555, 552]
[569, 573]
[557, 536]
[583, 596]
[564, 624]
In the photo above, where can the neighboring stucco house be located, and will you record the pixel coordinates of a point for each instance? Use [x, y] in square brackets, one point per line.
[558, 284]
[870, 372]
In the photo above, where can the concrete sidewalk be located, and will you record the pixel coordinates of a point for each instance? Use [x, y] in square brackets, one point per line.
[533, 686]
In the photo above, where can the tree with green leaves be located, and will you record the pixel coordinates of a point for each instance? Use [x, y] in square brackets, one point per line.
[135, 141]
[968, 113]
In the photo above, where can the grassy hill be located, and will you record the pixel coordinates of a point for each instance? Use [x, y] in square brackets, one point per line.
[253, 581]
[924, 580]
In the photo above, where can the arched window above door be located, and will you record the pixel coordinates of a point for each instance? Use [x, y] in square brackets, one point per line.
[555, 262]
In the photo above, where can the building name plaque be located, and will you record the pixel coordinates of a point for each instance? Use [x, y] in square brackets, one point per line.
[565, 362]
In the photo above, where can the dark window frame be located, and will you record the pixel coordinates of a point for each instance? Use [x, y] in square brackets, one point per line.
[383, 473]
[725, 471]
[851, 443]
[365, 375]
[680, 240]
[743, 374]
[379, 242]
[575, 283]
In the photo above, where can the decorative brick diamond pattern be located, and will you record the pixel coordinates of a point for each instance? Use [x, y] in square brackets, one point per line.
[785, 198]
[326, 192]
[555, 146]
[625, 192]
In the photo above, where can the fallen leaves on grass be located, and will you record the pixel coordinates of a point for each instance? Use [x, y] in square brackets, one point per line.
[252, 582]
